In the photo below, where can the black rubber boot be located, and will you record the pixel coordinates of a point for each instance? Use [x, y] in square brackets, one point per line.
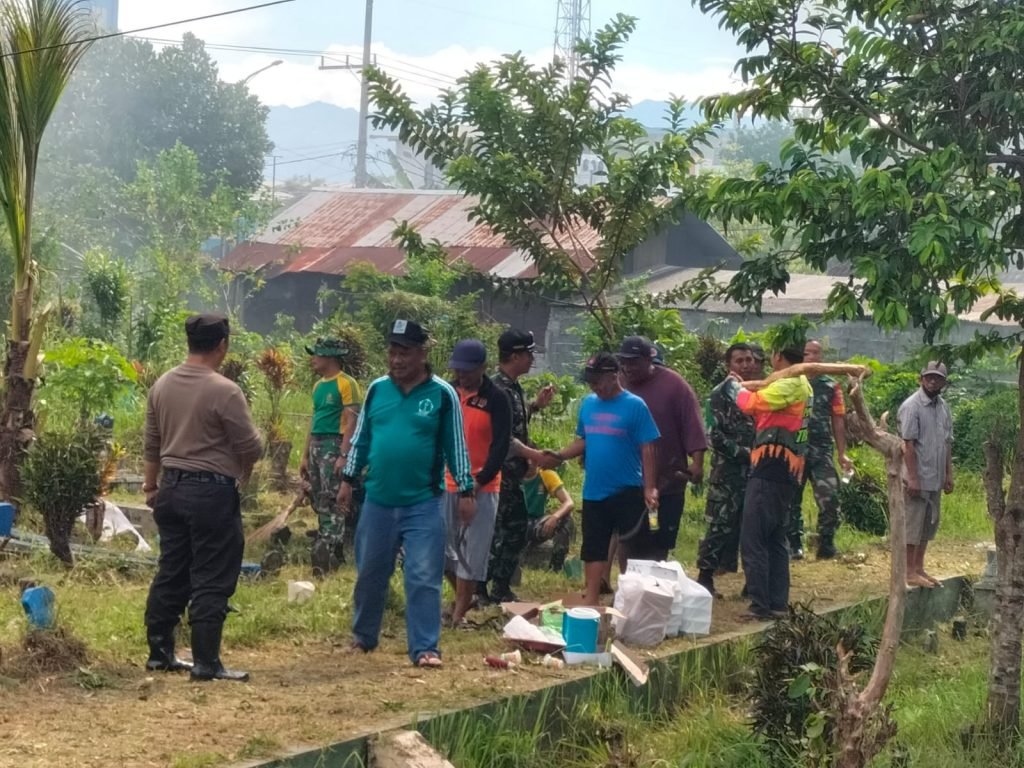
[206, 655]
[502, 593]
[706, 578]
[826, 548]
[161, 652]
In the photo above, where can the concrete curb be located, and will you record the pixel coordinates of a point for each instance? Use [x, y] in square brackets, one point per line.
[925, 608]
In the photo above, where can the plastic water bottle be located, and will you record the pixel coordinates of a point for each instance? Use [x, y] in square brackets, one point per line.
[847, 476]
[652, 518]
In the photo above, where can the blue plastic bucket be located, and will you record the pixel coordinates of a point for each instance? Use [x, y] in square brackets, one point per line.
[6, 518]
[38, 605]
[580, 629]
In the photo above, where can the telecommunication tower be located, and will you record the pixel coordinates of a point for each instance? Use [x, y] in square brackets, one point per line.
[572, 25]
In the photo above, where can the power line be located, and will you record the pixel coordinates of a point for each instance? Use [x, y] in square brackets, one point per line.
[417, 66]
[410, 68]
[306, 52]
[145, 29]
[337, 155]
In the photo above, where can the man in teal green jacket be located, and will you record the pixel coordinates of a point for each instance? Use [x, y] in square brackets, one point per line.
[409, 429]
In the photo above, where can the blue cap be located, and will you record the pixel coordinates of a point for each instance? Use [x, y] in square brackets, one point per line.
[468, 355]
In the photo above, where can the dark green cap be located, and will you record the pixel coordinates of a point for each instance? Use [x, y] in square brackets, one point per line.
[328, 348]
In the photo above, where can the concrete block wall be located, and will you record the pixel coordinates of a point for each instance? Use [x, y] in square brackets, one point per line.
[565, 347]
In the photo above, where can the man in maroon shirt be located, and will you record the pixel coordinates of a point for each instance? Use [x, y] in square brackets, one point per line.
[681, 446]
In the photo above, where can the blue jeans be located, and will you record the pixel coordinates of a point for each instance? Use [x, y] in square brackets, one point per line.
[421, 530]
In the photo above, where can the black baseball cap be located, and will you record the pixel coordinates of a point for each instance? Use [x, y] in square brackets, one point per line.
[637, 346]
[407, 333]
[468, 355]
[757, 351]
[207, 326]
[602, 362]
[514, 340]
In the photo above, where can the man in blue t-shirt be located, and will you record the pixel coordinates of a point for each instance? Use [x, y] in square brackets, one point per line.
[615, 435]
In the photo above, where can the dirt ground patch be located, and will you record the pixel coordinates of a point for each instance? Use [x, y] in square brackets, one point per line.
[313, 694]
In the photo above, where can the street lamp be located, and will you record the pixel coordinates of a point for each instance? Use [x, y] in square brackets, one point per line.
[271, 65]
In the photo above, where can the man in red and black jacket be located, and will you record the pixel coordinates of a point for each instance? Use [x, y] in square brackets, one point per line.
[487, 425]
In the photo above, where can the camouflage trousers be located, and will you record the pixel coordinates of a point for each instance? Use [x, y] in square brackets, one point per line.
[820, 471]
[719, 549]
[325, 480]
[510, 534]
[561, 539]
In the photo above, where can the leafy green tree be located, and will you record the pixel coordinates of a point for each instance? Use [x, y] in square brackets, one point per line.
[513, 136]
[86, 376]
[755, 144]
[108, 284]
[924, 98]
[426, 293]
[127, 103]
[41, 43]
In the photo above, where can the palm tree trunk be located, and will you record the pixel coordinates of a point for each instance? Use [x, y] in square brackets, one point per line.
[16, 419]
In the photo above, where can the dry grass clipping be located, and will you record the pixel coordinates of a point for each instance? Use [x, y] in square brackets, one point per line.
[45, 652]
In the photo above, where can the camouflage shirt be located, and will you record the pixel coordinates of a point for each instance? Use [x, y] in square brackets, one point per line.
[828, 402]
[514, 468]
[730, 431]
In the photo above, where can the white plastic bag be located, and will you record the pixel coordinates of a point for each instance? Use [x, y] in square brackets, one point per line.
[628, 592]
[647, 608]
[696, 607]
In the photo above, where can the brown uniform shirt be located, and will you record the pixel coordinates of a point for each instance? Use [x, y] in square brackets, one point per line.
[197, 420]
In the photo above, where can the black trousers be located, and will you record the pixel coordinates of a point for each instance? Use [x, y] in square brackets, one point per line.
[201, 545]
[763, 544]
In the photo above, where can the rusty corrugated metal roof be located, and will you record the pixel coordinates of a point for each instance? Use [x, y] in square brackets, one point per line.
[328, 230]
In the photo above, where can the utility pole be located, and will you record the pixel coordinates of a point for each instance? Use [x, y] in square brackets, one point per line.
[364, 95]
[273, 185]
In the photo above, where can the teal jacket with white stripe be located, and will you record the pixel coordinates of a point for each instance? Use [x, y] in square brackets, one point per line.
[405, 440]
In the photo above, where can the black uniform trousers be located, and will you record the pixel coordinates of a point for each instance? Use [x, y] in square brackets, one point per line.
[763, 543]
[201, 545]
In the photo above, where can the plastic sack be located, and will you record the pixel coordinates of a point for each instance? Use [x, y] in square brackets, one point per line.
[647, 608]
[696, 607]
[692, 604]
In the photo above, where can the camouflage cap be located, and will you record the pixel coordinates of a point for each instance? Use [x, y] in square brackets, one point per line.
[328, 348]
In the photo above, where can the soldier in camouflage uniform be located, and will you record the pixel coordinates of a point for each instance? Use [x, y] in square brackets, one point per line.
[731, 435]
[826, 420]
[515, 358]
[336, 402]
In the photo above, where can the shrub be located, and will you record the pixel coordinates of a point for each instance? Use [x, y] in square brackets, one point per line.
[61, 474]
[888, 387]
[864, 502]
[236, 368]
[278, 372]
[994, 415]
[795, 665]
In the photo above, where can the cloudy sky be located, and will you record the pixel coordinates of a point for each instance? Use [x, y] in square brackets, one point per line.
[426, 43]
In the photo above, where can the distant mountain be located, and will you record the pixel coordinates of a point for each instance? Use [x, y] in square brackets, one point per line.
[319, 129]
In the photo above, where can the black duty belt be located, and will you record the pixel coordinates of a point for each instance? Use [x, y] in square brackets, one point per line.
[191, 476]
